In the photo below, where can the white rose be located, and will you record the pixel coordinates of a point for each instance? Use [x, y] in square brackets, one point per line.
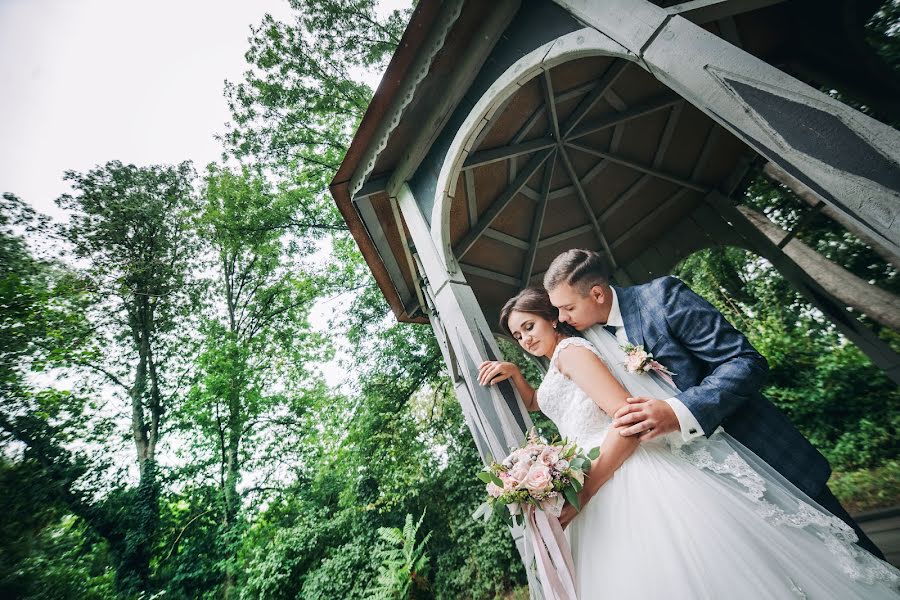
[578, 476]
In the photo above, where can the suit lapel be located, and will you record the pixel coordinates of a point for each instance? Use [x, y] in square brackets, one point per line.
[631, 315]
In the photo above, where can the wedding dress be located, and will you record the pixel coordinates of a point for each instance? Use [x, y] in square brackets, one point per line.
[705, 519]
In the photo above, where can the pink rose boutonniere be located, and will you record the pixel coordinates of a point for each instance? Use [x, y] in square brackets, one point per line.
[640, 361]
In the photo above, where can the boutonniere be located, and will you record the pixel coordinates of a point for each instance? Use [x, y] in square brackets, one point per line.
[640, 361]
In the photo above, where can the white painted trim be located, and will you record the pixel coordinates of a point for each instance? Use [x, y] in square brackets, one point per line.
[578, 44]
[704, 11]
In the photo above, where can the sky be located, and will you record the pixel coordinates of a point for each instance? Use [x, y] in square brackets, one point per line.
[83, 82]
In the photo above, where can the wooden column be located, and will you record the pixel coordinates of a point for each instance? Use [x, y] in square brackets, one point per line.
[495, 415]
[870, 344]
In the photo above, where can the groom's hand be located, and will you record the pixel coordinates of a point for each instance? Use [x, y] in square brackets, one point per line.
[646, 418]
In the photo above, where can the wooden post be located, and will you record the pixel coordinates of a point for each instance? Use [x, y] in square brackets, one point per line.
[870, 344]
[495, 415]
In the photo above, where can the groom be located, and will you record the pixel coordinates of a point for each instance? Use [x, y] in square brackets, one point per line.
[719, 372]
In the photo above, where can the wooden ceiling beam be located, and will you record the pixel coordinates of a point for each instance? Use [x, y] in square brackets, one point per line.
[650, 216]
[550, 102]
[486, 157]
[600, 89]
[565, 235]
[507, 239]
[641, 168]
[585, 203]
[500, 203]
[704, 11]
[650, 106]
[538, 223]
[488, 274]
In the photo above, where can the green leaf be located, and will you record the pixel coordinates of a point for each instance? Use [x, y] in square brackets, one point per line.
[572, 497]
[576, 485]
[496, 480]
[485, 476]
[594, 453]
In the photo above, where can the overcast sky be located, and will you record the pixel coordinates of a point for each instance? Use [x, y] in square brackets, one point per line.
[83, 82]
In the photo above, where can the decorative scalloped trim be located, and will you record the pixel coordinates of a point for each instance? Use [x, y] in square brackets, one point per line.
[407, 95]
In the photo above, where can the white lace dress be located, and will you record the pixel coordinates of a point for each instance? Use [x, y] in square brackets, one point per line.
[706, 519]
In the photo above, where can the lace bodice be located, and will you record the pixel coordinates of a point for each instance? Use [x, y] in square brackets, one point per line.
[576, 416]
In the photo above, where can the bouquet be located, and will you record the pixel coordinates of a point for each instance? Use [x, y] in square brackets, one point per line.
[539, 474]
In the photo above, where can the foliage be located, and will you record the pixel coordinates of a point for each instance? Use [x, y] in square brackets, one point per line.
[838, 399]
[867, 489]
[403, 572]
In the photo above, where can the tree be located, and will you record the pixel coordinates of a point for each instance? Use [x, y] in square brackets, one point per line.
[256, 334]
[131, 227]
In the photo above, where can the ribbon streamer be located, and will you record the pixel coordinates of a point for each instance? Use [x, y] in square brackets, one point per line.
[556, 568]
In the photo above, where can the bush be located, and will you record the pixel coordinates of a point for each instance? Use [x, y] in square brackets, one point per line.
[868, 489]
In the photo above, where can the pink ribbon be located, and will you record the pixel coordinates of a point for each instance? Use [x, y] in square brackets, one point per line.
[662, 372]
[556, 568]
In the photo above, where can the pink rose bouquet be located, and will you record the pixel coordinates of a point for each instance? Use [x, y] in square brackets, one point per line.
[539, 474]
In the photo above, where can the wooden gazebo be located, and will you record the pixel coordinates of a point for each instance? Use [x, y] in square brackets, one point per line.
[505, 132]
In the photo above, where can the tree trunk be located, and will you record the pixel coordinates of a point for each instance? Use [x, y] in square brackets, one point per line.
[877, 304]
[141, 523]
[807, 195]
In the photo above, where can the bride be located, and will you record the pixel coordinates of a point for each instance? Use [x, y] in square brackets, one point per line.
[665, 519]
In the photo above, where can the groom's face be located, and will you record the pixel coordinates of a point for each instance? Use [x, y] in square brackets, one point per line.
[579, 310]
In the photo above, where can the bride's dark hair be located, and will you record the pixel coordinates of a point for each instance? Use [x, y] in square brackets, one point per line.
[534, 301]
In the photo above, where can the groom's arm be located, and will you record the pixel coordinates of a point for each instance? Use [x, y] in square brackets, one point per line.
[738, 370]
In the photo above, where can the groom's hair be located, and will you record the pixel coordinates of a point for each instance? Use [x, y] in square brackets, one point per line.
[581, 269]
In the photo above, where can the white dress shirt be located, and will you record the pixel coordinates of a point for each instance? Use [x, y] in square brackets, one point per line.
[687, 422]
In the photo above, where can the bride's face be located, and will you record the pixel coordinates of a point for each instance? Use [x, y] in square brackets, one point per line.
[535, 334]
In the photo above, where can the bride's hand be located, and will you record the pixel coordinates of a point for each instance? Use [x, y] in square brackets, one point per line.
[568, 513]
[495, 371]
[568, 510]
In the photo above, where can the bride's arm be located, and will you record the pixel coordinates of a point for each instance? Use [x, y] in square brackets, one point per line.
[590, 374]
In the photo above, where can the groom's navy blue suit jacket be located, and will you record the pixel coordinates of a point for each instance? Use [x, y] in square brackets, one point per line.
[720, 374]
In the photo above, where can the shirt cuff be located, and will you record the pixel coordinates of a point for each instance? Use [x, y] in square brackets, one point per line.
[690, 427]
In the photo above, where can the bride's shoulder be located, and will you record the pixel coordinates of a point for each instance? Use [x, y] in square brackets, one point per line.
[574, 341]
[572, 348]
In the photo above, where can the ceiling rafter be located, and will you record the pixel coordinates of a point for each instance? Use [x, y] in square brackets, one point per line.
[647, 107]
[501, 202]
[550, 102]
[507, 239]
[651, 216]
[489, 274]
[486, 157]
[639, 167]
[538, 223]
[602, 88]
[586, 204]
